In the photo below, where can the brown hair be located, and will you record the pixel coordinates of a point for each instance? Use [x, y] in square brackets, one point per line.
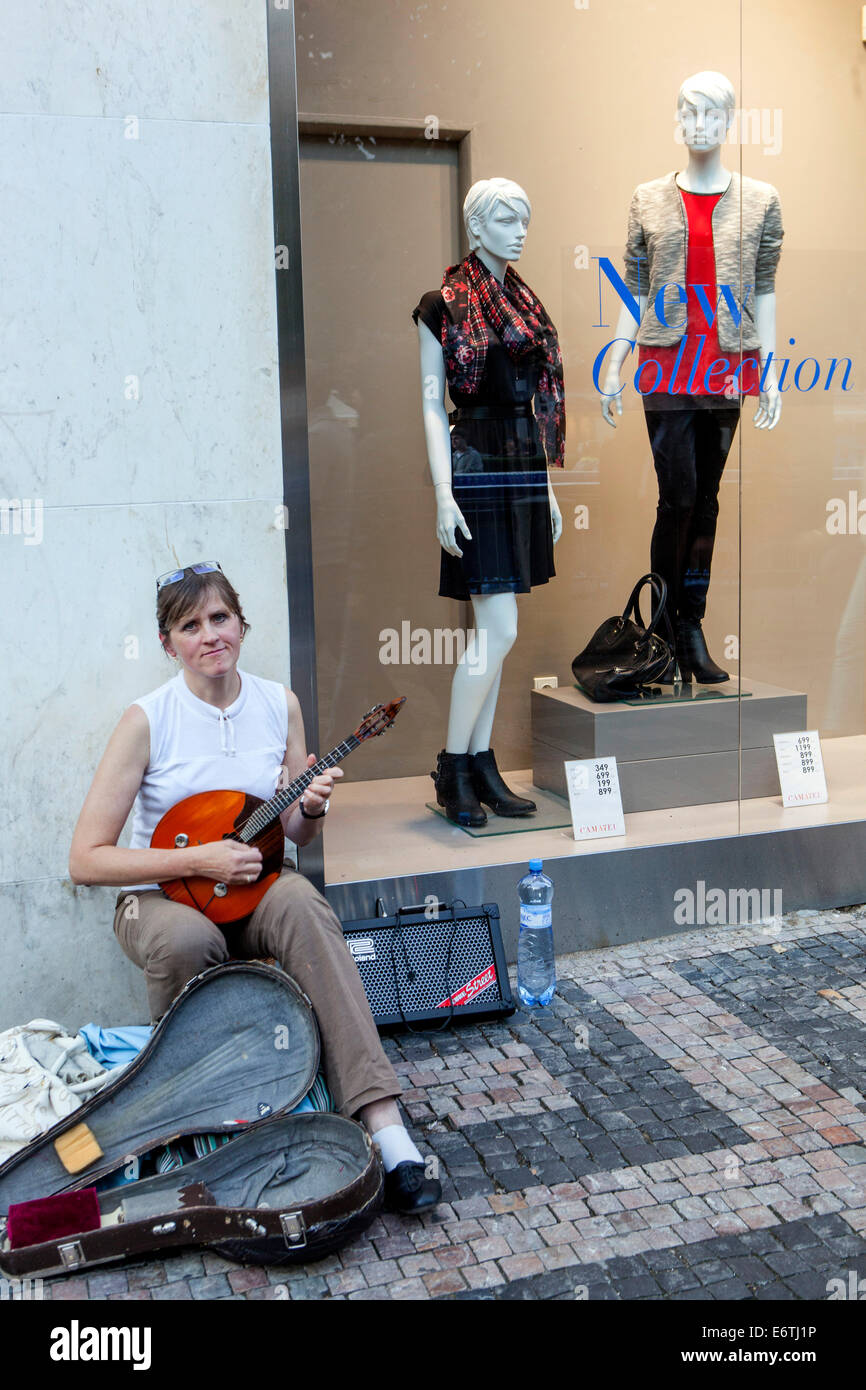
[176, 601]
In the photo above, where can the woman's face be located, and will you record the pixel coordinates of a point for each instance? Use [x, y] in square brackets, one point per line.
[207, 640]
[503, 231]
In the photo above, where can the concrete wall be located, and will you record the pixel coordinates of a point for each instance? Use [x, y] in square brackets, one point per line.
[140, 414]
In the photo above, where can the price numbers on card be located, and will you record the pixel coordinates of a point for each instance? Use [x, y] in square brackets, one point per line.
[602, 777]
[805, 751]
[801, 768]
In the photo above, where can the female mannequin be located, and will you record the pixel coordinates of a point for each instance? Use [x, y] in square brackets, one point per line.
[714, 240]
[488, 338]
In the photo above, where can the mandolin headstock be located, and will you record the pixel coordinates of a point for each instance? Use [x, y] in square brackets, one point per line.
[379, 719]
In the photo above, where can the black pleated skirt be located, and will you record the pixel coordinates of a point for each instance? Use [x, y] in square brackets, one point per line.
[499, 481]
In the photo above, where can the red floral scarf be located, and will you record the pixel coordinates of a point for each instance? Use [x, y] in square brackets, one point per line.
[474, 298]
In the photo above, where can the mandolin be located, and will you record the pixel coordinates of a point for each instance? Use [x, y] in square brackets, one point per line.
[224, 815]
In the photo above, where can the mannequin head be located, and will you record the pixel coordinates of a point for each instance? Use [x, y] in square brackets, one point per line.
[496, 215]
[705, 110]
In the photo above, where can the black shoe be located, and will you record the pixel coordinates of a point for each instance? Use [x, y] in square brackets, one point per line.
[408, 1191]
[693, 656]
[454, 791]
[490, 788]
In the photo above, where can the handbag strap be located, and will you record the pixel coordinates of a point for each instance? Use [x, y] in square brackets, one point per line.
[659, 591]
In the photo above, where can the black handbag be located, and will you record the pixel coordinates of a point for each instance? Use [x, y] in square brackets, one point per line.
[623, 655]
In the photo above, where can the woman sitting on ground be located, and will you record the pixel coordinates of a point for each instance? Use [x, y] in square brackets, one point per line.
[214, 727]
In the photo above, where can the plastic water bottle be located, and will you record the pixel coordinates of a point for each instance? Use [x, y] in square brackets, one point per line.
[536, 963]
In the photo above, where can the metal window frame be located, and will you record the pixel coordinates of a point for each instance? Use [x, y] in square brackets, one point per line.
[283, 104]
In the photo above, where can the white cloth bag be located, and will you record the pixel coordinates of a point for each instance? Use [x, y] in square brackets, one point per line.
[45, 1074]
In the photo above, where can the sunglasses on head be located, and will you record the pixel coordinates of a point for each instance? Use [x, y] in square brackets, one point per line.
[175, 576]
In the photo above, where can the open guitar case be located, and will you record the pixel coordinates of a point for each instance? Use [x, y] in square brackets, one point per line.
[236, 1051]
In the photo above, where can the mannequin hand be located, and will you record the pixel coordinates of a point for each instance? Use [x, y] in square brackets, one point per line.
[610, 403]
[555, 518]
[449, 519]
[769, 408]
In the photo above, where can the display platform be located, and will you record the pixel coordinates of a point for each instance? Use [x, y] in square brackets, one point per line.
[381, 841]
[681, 751]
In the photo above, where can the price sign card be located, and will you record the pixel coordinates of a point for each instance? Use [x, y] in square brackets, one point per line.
[801, 768]
[594, 795]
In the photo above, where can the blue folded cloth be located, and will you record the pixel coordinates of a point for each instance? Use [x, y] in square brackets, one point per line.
[114, 1046]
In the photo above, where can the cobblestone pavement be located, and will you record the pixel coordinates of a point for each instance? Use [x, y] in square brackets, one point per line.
[686, 1121]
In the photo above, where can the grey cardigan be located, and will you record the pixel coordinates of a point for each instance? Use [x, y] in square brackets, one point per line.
[657, 247]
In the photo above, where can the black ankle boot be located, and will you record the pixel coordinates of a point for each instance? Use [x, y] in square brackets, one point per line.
[490, 788]
[693, 656]
[454, 791]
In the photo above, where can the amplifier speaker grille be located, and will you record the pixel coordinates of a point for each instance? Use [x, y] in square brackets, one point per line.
[411, 965]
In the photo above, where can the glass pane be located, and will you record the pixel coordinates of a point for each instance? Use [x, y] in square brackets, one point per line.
[400, 117]
[804, 500]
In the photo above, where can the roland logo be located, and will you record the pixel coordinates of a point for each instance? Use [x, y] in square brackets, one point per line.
[77, 1343]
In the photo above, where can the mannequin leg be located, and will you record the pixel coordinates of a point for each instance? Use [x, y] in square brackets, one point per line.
[487, 782]
[714, 435]
[689, 452]
[480, 673]
[672, 440]
[466, 772]
[483, 728]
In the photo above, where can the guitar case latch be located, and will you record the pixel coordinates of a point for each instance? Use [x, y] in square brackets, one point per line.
[294, 1232]
[71, 1254]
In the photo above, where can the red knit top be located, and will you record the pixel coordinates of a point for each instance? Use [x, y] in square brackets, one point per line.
[692, 374]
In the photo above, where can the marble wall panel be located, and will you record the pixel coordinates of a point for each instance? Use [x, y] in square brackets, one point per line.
[63, 961]
[197, 61]
[138, 356]
[139, 420]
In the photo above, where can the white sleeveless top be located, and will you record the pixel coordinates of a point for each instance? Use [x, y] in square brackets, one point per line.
[196, 747]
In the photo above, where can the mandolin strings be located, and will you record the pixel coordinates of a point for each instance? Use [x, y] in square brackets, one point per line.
[269, 810]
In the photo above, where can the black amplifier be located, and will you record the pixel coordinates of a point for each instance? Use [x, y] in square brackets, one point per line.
[432, 964]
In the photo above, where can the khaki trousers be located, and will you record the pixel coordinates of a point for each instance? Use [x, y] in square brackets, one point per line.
[171, 943]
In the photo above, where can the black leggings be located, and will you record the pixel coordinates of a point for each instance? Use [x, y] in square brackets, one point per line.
[689, 448]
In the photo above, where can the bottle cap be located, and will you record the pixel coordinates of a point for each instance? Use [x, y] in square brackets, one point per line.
[535, 866]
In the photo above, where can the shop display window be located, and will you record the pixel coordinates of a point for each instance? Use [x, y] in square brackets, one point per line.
[694, 197]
